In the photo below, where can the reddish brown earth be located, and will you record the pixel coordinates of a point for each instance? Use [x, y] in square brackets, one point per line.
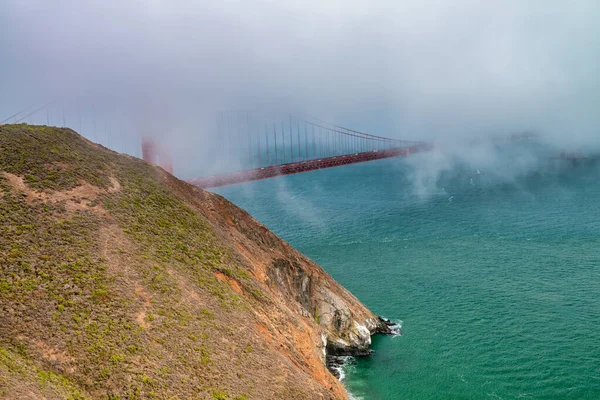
[117, 280]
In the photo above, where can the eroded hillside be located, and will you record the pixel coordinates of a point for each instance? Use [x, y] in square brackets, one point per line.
[119, 281]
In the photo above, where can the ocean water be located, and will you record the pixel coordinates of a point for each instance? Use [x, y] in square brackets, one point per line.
[492, 267]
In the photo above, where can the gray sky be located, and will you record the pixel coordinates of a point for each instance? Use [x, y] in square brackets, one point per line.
[405, 69]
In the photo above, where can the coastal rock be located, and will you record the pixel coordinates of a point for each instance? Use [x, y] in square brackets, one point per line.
[347, 324]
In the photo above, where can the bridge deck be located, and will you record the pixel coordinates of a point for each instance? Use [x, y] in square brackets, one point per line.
[304, 166]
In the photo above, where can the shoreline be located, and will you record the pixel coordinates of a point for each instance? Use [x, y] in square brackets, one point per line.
[337, 358]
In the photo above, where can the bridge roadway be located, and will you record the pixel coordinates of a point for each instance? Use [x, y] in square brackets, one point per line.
[305, 166]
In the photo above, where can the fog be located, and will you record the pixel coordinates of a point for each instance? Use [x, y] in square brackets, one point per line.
[430, 70]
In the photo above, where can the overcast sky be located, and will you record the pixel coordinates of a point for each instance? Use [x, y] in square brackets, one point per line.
[405, 69]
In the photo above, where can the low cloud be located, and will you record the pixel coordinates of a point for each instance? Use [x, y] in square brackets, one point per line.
[428, 69]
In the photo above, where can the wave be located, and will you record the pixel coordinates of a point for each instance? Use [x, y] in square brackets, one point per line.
[351, 242]
[396, 328]
[338, 364]
[353, 397]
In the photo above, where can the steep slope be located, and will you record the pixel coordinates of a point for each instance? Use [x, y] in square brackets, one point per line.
[119, 281]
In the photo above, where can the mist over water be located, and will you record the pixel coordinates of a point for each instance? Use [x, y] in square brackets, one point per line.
[493, 271]
[417, 70]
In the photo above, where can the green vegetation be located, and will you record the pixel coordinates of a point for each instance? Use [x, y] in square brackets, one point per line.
[115, 283]
[55, 285]
[15, 366]
[51, 273]
[51, 158]
[171, 234]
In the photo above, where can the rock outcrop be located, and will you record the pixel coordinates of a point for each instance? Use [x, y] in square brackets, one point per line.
[347, 325]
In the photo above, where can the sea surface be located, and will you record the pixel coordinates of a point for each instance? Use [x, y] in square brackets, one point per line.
[491, 262]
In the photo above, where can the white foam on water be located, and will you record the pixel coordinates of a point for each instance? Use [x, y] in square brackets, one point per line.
[340, 370]
[357, 241]
[348, 361]
[353, 397]
[300, 194]
[396, 327]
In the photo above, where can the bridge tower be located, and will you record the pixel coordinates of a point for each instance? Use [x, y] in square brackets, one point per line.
[154, 154]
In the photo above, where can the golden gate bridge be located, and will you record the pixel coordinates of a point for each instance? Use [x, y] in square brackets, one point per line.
[260, 147]
[294, 146]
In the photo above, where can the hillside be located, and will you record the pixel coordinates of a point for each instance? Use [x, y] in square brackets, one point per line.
[119, 281]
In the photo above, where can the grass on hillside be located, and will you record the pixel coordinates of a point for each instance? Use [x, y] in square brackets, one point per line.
[56, 288]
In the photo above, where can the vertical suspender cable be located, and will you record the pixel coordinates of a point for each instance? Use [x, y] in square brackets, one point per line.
[313, 142]
[283, 139]
[299, 143]
[275, 137]
[267, 140]
[305, 142]
[320, 142]
[291, 141]
[258, 144]
[250, 158]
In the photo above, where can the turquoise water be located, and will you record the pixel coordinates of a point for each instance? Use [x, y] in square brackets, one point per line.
[494, 273]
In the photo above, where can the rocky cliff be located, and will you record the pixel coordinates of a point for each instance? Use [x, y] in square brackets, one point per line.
[118, 280]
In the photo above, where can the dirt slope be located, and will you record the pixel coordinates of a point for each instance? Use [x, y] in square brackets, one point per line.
[118, 281]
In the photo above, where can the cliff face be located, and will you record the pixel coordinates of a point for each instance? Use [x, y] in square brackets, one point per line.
[345, 324]
[119, 281]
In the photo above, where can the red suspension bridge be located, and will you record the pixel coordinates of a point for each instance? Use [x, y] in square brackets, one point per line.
[300, 145]
[257, 147]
